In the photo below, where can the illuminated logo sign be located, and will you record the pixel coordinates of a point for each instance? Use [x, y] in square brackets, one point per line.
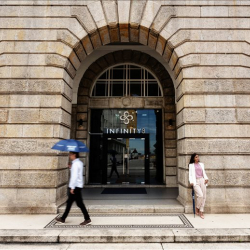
[126, 117]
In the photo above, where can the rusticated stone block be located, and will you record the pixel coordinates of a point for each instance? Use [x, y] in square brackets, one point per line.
[38, 130]
[83, 15]
[170, 152]
[191, 115]
[170, 143]
[3, 116]
[43, 162]
[67, 37]
[82, 108]
[243, 115]
[152, 40]
[160, 46]
[25, 146]
[134, 34]
[136, 11]
[104, 34]
[170, 134]
[100, 102]
[222, 161]
[220, 115]
[23, 115]
[80, 52]
[83, 100]
[163, 17]
[96, 40]
[170, 161]
[143, 35]
[114, 35]
[83, 91]
[217, 146]
[124, 32]
[81, 134]
[61, 194]
[87, 45]
[170, 170]
[49, 115]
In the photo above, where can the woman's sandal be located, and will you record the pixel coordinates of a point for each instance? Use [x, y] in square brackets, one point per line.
[202, 215]
[197, 212]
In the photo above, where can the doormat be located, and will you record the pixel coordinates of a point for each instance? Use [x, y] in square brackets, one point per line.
[124, 191]
[153, 220]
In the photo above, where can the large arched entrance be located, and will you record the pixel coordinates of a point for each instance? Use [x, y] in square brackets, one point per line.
[121, 84]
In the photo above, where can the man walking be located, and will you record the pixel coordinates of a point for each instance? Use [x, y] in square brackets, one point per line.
[75, 185]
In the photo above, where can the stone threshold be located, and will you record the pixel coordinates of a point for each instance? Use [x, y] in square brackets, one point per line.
[87, 235]
[127, 209]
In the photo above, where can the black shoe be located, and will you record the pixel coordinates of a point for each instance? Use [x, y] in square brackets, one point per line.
[60, 220]
[86, 223]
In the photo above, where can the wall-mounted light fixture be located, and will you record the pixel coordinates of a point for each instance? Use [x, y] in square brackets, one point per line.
[170, 122]
[80, 123]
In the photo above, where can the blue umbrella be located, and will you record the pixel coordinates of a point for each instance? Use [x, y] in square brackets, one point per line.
[193, 201]
[71, 145]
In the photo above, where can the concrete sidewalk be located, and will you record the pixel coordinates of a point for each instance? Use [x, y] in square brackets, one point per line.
[214, 228]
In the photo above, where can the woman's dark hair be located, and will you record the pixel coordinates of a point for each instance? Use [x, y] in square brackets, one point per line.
[192, 158]
[76, 154]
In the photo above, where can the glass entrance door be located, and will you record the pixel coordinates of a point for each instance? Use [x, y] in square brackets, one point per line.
[131, 136]
[126, 159]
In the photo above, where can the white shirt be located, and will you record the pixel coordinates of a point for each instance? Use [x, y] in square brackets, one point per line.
[192, 175]
[76, 174]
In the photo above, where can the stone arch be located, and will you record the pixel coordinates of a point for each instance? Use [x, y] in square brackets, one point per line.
[165, 102]
[135, 34]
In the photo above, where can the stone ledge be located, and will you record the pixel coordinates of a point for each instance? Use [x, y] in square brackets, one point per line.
[125, 235]
[31, 236]
[212, 235]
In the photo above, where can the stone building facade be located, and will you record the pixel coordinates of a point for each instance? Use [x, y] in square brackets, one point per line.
[51, 53]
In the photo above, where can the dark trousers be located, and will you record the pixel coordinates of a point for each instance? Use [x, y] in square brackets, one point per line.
[77, 197]
[114, 169]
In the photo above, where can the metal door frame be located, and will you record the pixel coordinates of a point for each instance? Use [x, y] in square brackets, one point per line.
[105, 152]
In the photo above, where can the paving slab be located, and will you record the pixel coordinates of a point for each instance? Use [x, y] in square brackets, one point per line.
[116, 246]
[21, 235]
[117, 236]
[34, 246]
[220, 221]
[212, 235]
[205, 246]
[25, 221]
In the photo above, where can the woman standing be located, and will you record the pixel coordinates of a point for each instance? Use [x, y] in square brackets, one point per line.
[198, 179]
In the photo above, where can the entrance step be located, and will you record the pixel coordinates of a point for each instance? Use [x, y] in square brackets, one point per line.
[171, 208]
[155, 200]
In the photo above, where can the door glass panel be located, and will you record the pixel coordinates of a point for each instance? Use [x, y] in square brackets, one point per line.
[126, 161]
